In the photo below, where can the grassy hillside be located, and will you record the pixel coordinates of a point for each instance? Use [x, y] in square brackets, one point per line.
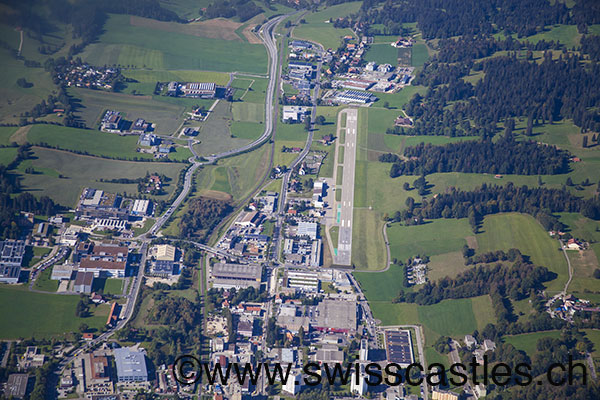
[144, 47]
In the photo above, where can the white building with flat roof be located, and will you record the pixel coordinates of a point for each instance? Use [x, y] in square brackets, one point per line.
[131, 365]
[307, 229]
[140, 207]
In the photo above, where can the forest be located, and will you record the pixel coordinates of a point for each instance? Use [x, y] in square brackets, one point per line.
[493, 199]
[12, 201]
[515, 281]
[243, 9]
[448, 18]
[201, 216]
[505, 156]
[543, 93]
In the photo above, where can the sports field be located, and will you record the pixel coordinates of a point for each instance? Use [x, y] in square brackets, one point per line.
[43, 315]
[319, 30]
[154, 45]
[82, 171]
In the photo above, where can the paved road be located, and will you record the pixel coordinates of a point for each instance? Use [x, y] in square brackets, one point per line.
[298, 160]
[266, 34]
[128, 313]
[345, 207]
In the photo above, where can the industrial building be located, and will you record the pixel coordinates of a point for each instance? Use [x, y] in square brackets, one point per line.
[131, 365]
[293, 383]
[353, 96]
[62, 272]
[164, 264]
[205, 90]
[335, 316]
[398, 347]
[94, 203]
[307, 281]
[11, 258]
[294, 113]
[107, 260]
[307, 229]
[84, 282]
[239, 276]
[141, 207]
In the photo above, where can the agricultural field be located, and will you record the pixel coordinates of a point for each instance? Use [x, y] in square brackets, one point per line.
[527, 341]
[167, 117]
[104, 144]
[231, 179]
[43, 315]
[144, 43]
[215, 135]
[81, 171]
[382, 53]
[44, 283]
[381, 286]
[504, 231]
[453, 318]
[7, 155]
[15, 99]
[6, 133]
[317, 29]
[145, 80]
[433, 238]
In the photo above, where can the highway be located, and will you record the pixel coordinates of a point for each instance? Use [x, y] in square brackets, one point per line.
[345, 206]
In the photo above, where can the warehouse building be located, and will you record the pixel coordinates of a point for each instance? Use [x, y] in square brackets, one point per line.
[11, 258]
[353, 96]
[141, 207]
[205, 90]
[398, 347]
[335, 316]
[131, 365]
[238, 276]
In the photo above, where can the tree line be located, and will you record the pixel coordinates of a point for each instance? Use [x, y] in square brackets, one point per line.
[515, 281]
[493, 199]
[243, 9]
[504, 156]
[448, 18]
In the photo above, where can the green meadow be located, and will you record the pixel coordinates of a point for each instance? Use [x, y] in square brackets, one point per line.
[82, 171]
[43, 315]
[318, 29]
[143, 47]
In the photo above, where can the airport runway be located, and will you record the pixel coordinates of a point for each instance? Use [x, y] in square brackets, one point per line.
[345, 207]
